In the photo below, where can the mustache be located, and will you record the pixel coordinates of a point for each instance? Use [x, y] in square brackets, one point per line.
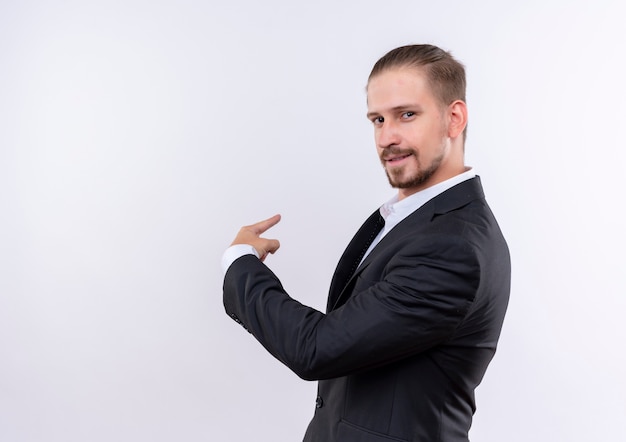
[394, 151]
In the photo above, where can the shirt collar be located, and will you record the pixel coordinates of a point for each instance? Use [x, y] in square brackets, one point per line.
[398, 210]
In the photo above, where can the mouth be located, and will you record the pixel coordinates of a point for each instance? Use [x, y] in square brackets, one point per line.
[396, 159]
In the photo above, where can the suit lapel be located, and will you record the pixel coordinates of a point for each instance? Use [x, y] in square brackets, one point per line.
[353, 254]
[452, 199]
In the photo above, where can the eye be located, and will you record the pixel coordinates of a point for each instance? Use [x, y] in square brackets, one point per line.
[378, 120]
[408, 114]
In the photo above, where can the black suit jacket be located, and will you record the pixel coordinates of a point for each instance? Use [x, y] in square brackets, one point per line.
[406, 338]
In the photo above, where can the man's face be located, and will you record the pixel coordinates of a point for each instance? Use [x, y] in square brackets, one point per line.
[410, 128]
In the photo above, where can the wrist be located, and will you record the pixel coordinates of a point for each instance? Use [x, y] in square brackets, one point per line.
[236, 251]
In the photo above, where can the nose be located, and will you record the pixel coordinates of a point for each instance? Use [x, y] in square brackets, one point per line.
[387, 135]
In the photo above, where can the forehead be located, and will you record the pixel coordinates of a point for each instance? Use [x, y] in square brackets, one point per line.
[399, 86]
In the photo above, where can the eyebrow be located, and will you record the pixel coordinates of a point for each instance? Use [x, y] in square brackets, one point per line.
[397, 109]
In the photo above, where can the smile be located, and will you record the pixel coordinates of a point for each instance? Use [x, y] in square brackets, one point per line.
[396, 159]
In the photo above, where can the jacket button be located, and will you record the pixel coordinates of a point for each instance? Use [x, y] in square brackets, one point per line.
[319, 403]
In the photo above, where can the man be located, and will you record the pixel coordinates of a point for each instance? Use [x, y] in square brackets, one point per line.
[415, 306]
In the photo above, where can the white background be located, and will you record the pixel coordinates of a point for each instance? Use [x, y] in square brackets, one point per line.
[136, 137]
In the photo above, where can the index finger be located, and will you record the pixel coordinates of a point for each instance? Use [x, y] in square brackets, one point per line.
[264, 225]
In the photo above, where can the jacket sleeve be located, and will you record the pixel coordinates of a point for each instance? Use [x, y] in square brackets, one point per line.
[417, 301]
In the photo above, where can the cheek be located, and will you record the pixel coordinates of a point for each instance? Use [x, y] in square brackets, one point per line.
[413, 132]
[413, 138]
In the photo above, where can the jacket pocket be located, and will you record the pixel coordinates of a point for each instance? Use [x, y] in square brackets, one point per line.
[347, 432]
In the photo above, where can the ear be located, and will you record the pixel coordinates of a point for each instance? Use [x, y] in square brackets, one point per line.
[457, 118]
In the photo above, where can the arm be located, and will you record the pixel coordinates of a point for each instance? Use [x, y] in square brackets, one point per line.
[418, 300]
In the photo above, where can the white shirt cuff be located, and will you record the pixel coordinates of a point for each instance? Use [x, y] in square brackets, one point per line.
[235, 252]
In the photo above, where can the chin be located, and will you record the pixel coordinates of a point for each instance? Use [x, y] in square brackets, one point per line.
[408, 182]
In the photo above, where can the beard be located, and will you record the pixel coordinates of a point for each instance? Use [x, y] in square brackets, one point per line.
[400, 179]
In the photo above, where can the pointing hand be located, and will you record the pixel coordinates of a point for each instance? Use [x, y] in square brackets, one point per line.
[252, 235]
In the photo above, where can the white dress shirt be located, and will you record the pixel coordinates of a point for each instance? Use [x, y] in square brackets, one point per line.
[394, 211]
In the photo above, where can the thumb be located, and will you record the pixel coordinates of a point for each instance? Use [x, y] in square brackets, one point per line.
[270, 246]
